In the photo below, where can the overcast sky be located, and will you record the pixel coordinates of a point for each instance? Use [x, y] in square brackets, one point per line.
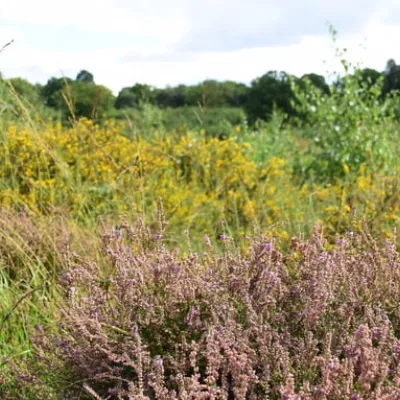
[167, 42]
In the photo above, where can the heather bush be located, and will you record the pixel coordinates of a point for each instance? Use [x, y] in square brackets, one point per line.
[315, 321]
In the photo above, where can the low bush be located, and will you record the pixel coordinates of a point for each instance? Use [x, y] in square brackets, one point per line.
[316, 321]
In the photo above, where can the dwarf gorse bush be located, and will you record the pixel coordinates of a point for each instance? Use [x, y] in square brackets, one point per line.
[306, 323]
[248, 180]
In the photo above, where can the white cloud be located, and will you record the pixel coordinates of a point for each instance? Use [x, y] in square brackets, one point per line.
[218, 25]
[183, 41]
[158, 21]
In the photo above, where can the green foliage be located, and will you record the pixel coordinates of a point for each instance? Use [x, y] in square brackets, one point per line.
[216, 121]
[317, 80]
[126, 99]
[134, 96]
[272, 138]
[267, 91]
[212, 93]
[79, 98]
[143, 119]
[90, 99]
[392, 77]
[21, 101]
[83, 99]
[26, 90]
[50, 91]
[370, 76]
[85, 76]
[172, 96]
[346, 129]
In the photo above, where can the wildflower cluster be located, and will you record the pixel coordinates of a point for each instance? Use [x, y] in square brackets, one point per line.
[305, 324]
[91, 170]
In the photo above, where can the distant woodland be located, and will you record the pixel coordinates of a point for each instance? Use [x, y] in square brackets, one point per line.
[83, 97]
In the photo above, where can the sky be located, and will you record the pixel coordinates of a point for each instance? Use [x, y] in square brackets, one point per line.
[168, 42]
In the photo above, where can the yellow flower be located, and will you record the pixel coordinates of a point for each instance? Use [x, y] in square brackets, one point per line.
[347, 208]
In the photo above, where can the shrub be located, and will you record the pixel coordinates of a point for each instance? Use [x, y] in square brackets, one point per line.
[309, 323]
[348, 127]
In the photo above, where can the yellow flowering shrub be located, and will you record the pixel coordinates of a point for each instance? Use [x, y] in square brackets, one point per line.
[91, 170]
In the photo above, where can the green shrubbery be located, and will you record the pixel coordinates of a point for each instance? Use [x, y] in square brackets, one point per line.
[351, 126]
[216, 122]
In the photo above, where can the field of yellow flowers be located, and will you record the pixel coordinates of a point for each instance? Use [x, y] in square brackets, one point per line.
[201, 185]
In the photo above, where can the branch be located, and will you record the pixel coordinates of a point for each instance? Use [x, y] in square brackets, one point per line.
[6, 45]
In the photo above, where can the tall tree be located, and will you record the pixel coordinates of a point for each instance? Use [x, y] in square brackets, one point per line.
[392, 77]
[84, 99]
[235, 93]
[90, 100]
[50, 91]
[134, 95]
[267, 91]
[27, 90]
[317, 80]
[85, 76]
[172, 96]
[370, 76]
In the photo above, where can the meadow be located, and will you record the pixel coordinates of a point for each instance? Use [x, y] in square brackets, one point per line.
[153, 261]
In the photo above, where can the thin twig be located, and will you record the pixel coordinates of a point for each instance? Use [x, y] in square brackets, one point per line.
[89, 390]
[20, 300]
[6, 45]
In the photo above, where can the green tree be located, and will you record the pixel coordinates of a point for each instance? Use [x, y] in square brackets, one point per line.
[236, 94]
[267, 91]
[345, 129]
[126, 99]
[51, 91]
[316, 80]
[370, 76]
[212, 94]
[392, 77]
[85, 76]
[223, 94]
[194, 95]
[173, 97]
[26, 90]
[135, 95]
[83, 99]
[81, 96]
[90, 100]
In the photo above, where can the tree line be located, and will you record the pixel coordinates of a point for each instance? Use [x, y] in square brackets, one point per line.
[83, 97]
